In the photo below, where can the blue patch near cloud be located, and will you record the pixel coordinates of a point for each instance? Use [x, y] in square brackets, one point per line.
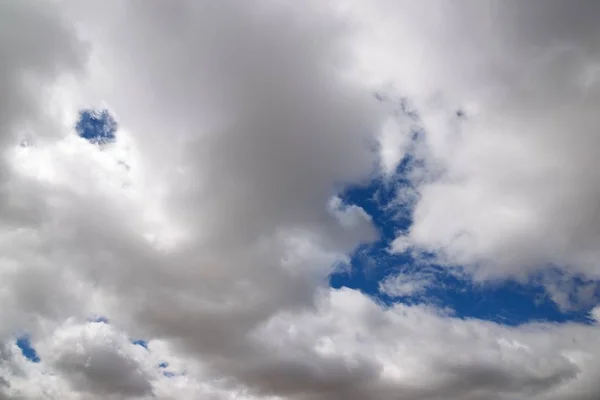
[507, 302]
[100, 319]
[163, 365]
[141, 342]
[97, 126]
[24, 343]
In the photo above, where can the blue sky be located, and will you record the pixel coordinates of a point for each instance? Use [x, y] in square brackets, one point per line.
[24, 343]
[506, 302]
[97, 126]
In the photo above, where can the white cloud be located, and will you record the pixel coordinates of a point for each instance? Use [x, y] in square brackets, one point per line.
[350, 216]
[395, 140]
[595, 314]
[418, 353]
[239, 123]
[348, 347]
[509, 188]
[405, 284]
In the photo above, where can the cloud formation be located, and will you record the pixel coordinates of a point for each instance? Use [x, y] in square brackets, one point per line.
[505, 94]
[210, 224]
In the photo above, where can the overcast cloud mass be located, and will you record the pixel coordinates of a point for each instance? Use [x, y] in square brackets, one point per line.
[209, 226]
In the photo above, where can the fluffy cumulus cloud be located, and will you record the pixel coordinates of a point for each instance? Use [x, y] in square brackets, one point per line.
[206, 222]
[506, 94]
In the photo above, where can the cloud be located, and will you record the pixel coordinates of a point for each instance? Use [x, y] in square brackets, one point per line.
[595, 314]
[509, 187]
[421, 354]
[405, 284]
[38, 47]
[210, 224]
[95, 358]
[232, 162]
[349, 347]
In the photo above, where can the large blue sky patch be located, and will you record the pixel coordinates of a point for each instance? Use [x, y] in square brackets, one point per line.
[97, 126]
[374, 269]
[391, 278]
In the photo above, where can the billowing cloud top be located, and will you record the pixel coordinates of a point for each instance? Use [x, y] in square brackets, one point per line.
[208, 216]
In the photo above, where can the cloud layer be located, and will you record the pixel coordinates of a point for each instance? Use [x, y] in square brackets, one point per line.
[210, 224]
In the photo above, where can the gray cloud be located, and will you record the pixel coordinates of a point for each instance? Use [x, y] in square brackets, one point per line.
[37, 46]
[96, 359]
[239, 123]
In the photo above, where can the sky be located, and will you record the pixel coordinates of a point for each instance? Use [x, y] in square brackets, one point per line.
[316, 200]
